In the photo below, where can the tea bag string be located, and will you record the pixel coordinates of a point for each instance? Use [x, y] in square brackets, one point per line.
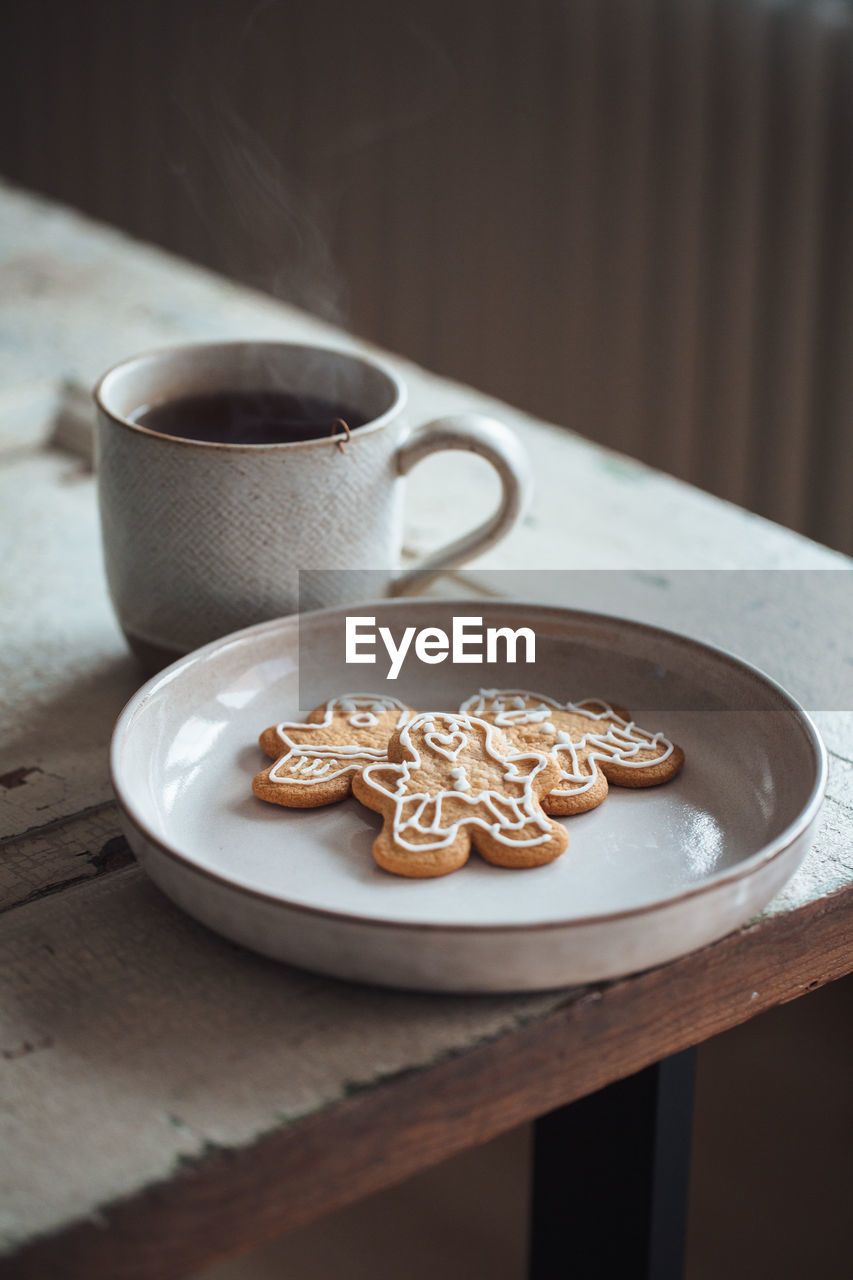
[340, 422]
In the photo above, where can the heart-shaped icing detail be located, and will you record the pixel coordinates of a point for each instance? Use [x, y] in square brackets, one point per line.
[446, 744]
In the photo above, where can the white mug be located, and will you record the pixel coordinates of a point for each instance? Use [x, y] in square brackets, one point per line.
[202, 538]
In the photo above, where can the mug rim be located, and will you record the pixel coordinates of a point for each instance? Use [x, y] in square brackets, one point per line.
[233, 345]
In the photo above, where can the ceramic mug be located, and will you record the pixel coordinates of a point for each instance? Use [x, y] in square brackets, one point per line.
[201, 538]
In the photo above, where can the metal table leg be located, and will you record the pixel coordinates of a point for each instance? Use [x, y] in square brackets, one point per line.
[610, 1180]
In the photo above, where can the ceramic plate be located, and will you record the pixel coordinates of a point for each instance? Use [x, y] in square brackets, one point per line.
[648, 875]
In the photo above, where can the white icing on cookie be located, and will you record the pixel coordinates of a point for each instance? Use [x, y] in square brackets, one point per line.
[304, 762]
[622, 741]
[420, 811]
[460, 779]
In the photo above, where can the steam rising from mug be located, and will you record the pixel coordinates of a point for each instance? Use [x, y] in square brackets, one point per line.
[286, 139]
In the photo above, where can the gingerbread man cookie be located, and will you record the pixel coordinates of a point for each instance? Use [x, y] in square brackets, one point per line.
[593, 742]
[315, 761]
[452, 780]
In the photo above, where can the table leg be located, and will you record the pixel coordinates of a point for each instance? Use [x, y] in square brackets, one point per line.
[610, 1179]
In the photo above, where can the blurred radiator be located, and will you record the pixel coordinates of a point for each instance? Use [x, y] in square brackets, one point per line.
[712, 249]
[633, 217]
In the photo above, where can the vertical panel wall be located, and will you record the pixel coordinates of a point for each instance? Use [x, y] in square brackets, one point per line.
[634, 217]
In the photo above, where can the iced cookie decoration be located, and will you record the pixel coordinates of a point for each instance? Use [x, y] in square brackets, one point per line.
[452, 781]
[315, 762]
[593, 742]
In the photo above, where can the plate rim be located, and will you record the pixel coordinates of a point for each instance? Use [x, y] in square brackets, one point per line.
[762, 856]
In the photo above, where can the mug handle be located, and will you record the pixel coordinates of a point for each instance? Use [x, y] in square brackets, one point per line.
[473, 433]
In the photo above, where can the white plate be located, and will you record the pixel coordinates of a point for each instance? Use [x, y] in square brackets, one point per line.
[648, 875]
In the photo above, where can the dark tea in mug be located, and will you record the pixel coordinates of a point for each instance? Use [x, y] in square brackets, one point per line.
[248, 417]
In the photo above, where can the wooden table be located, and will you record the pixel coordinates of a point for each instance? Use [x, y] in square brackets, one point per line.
[167, 1097]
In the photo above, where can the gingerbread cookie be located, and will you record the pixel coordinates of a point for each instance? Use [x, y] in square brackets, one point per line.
[593, 742]
[453, 780]
[315, 761]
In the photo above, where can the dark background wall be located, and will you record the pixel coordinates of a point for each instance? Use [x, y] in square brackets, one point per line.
[633, 218]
